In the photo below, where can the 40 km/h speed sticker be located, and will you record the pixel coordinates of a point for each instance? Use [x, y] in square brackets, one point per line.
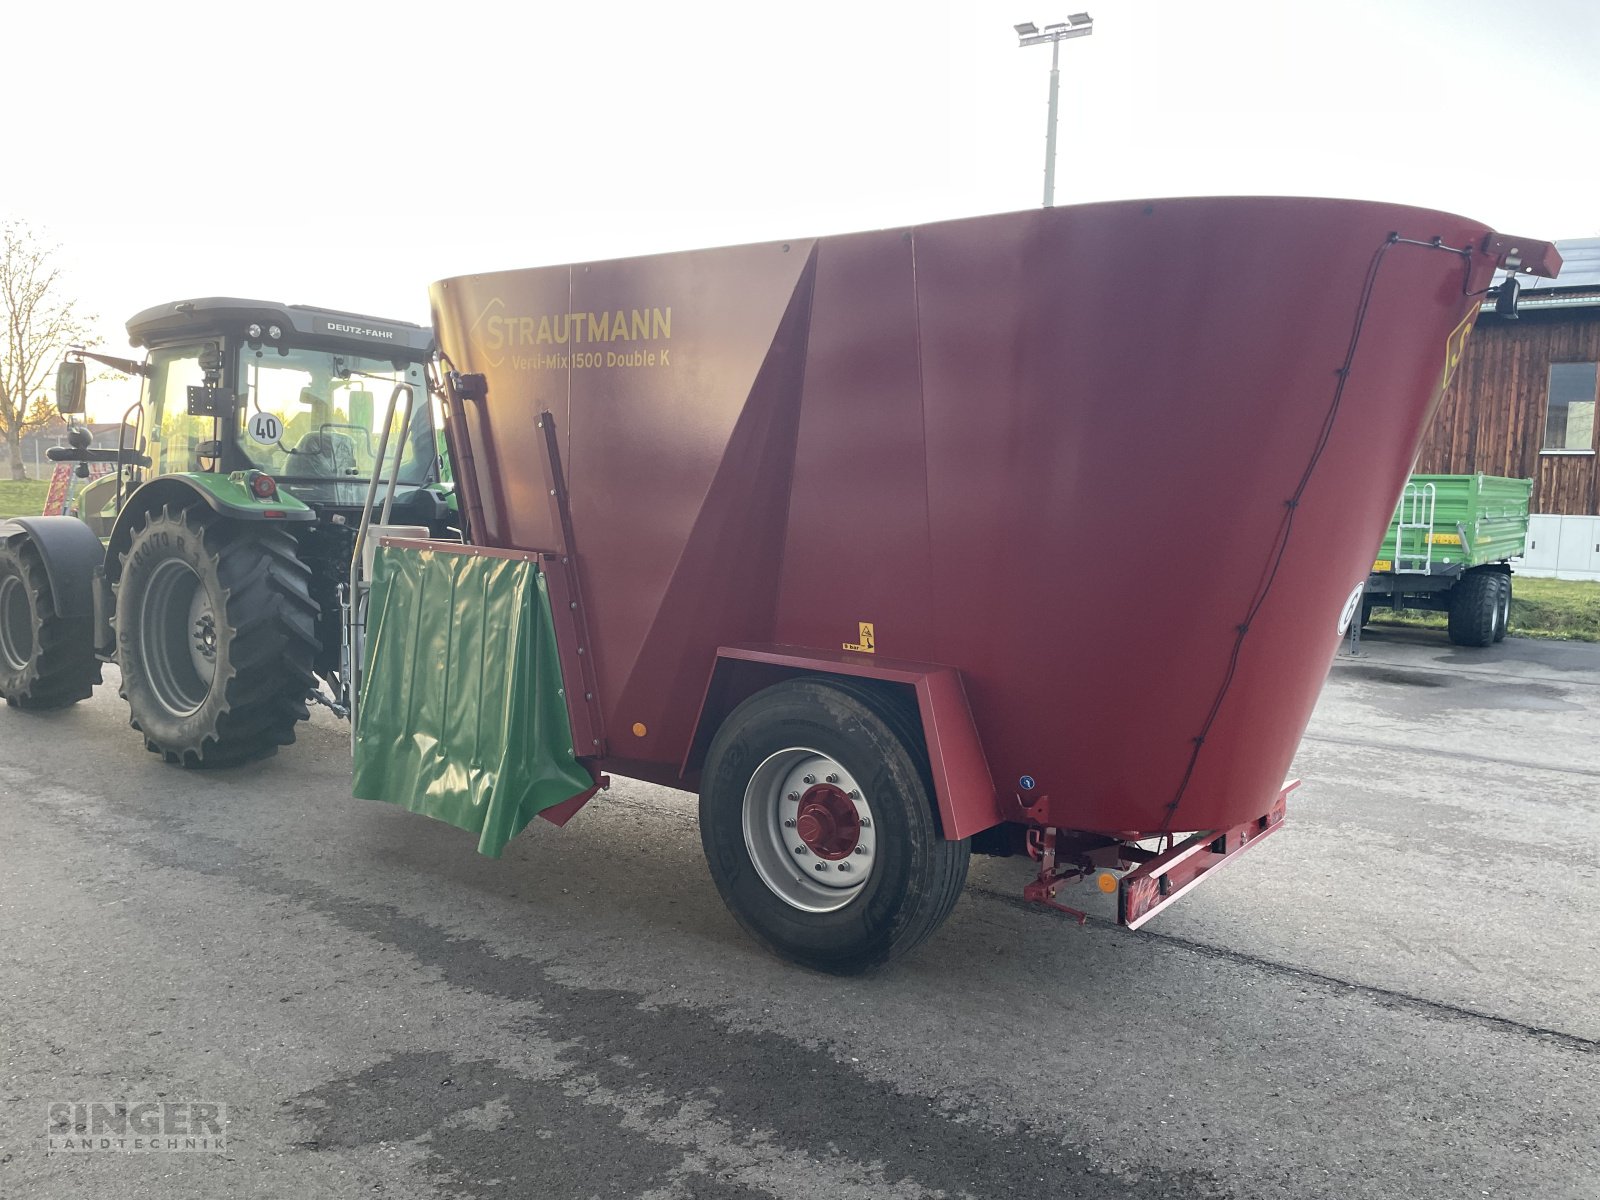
[265, 428]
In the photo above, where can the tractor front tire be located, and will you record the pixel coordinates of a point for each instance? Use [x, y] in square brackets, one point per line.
[216, 632]
[1475, 609]
[818, 822]
[46, 660]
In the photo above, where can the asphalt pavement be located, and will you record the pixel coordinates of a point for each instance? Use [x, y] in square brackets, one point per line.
[1398, 995]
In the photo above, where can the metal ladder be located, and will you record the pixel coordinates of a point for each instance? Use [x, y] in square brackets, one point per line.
[1414, 513]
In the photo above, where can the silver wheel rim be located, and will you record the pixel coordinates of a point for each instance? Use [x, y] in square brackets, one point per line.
[178, 637]
[16, 623]
[795, 873]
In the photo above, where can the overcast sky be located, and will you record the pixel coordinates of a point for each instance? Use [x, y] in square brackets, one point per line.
[347, 155]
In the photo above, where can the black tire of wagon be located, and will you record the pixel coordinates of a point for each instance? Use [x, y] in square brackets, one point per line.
[1475, 609]
[1504, 622]
[917, 874]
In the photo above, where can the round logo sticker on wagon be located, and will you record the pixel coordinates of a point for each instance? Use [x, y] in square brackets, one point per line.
[265, 428]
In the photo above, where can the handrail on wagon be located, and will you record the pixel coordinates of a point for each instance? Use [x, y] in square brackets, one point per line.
[353, 619]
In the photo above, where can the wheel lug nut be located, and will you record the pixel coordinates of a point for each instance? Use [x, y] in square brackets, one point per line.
[792, 796]
[861, 849]
[854, 794]
[844, 866]
[809, 779]
[821, 866]
[789, 824]
[833, 779]
[799, 849]
[866, 822]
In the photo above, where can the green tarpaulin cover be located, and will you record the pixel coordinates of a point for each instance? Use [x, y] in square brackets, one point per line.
[461, 714]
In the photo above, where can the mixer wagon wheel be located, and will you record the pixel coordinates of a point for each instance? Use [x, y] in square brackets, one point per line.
[1505, 608]
[216, 630]
[1476, 613]
[817, 817]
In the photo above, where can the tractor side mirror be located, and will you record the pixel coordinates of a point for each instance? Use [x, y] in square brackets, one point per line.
[72, 380]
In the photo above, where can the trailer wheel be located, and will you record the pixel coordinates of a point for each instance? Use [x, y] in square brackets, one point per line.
[215, 637]
[1505, 608]
[818, 823]
[46, 660]
[1475, 609]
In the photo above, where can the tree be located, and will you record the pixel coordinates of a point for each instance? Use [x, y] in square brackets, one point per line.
[39, 322]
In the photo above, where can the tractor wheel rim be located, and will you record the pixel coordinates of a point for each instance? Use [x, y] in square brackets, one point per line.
[809, 829]
[16, 623]
[177, 628]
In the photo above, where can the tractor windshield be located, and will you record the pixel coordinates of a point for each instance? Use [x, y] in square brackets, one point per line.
[316, 415]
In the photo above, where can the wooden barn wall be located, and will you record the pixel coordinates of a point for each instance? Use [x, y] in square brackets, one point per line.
[1491, 418]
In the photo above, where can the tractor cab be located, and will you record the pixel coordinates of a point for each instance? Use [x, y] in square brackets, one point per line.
[299, 394]
[294, 393]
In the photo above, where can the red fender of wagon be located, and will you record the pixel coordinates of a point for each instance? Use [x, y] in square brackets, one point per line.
[1093, 482]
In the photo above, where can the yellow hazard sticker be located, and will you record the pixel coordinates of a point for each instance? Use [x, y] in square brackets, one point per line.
[867, 642]
[1383, 564]
[1455, 346]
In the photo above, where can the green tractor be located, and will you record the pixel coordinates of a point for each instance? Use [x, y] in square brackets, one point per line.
[211, 564]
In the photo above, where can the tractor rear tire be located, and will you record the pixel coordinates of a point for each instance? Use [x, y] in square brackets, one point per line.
[818, 822]
[46, 660]
[1475, 609]
[216, 632]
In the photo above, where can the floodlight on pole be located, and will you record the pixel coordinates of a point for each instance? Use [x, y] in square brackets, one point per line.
[1028, 34]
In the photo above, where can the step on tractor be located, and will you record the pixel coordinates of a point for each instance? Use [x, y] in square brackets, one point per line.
[210, 564]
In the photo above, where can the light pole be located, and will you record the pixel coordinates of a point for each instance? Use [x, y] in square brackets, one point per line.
[1076, 25]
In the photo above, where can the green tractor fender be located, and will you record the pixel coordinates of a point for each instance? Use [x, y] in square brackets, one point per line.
[229, 495]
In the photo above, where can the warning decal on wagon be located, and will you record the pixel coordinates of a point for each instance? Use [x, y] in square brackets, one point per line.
[867, 643]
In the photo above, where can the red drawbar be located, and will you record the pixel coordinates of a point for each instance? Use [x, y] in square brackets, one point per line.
[1149, 888]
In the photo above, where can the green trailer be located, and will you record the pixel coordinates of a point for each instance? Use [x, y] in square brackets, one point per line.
[1449, 548]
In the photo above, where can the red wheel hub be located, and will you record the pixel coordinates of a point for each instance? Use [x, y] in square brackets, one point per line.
[828, 822]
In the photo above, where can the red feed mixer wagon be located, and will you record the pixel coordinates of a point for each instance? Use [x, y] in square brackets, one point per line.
[1031, 533]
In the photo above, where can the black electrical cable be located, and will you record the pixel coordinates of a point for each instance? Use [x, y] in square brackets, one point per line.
[1291, 505]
